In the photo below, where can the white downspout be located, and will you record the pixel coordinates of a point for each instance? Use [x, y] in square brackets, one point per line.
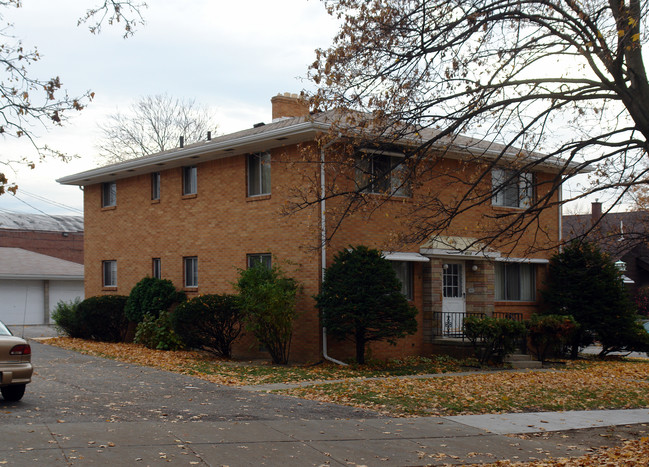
[323, 245]
[560, 194]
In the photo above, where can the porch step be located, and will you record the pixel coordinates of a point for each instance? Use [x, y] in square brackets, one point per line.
[522, 361]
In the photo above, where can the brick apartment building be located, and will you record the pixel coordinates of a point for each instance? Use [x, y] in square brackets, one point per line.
[197, 214]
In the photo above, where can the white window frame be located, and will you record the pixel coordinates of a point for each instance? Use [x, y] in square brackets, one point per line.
[372, 173]
[108, 194]
[190, 180]
[512, 189]
[264, 258]
[190, 271]
[109, 273]
[510, 278]
[156, 268]
[258, 173]
[155, 186]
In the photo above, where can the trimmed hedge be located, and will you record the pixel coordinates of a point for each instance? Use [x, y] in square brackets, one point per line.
[150, 296]
[102, 318]
[492, 338]
[210, 322]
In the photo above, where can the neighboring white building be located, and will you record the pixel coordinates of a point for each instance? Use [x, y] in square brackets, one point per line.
[31, 284]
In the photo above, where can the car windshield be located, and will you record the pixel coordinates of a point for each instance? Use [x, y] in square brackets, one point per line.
[3, 330]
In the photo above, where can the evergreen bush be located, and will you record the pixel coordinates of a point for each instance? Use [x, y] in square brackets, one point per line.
[361, 300]
[150, 296]
[102, 318]
[584, 282]
[211, 322]
[66, 318]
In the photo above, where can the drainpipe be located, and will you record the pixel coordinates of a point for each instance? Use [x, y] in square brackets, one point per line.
[323, 243]
[560, 195]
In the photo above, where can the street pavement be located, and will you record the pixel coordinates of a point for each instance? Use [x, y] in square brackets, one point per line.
[87, 410]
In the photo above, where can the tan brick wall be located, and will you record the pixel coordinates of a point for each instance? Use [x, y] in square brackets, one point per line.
[220, 225]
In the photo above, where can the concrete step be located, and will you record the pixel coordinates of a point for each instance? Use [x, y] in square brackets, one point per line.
[522, 361]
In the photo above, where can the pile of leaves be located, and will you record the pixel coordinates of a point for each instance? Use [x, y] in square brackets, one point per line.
[630, 453]
[222, 371]
[580, 386]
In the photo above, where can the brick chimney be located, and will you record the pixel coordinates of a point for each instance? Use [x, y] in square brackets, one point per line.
[289, 105]
[595, 212]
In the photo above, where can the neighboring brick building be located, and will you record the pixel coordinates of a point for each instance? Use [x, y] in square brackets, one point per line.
[197, 214]
[41, 263]
[51, 235]
[623, 235]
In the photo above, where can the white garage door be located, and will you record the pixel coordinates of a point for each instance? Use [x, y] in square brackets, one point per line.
[21, 302]
[64, 291]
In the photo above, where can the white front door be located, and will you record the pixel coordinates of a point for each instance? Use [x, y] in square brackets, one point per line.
[453, 299]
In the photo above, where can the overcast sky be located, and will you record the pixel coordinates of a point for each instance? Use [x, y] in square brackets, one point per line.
[230, 56]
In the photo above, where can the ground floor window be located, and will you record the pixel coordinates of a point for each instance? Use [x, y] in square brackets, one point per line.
[404, 273]
[109, 273]
[515, 282]
[260, 258]
[191, 271]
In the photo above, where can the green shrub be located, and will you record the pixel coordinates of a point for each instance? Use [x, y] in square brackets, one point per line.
[150, 296]
[492, 338]
[267, 298]
[361, 300]
[210, 322]
[157, 333]
[102, 318]
[584, 282]
[66, 318]
[550, 334]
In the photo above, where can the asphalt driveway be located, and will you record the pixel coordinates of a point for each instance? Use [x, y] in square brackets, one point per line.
[72, 387]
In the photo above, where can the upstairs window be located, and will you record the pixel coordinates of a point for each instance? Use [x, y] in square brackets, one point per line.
[260, 258]
[190, 186]
[191, 271]
[108, 194]
[382, 174]
[155, 186]
[109, 273]
[512, 189]
[258, 174]
[156, 266]
[515, 282]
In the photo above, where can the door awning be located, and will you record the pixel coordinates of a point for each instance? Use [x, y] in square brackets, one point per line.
[404, 256]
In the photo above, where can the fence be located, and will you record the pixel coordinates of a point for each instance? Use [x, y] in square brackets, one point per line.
[451, 323]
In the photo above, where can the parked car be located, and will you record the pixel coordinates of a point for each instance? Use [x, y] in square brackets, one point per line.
[15, 365]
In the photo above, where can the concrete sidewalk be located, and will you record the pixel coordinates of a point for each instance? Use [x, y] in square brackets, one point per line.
[370, 442]
[30, 331]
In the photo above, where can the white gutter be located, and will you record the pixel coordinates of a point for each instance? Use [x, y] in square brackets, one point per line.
[228, 146]
[323, 244]
[41, 277]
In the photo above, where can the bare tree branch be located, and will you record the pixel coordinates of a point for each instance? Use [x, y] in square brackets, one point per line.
[153, 124]
[29, 104]
[534, 83]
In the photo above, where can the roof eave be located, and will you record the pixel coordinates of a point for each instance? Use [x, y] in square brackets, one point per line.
[210, 150]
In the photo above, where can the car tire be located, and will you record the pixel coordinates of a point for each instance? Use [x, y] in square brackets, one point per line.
[14, 392]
